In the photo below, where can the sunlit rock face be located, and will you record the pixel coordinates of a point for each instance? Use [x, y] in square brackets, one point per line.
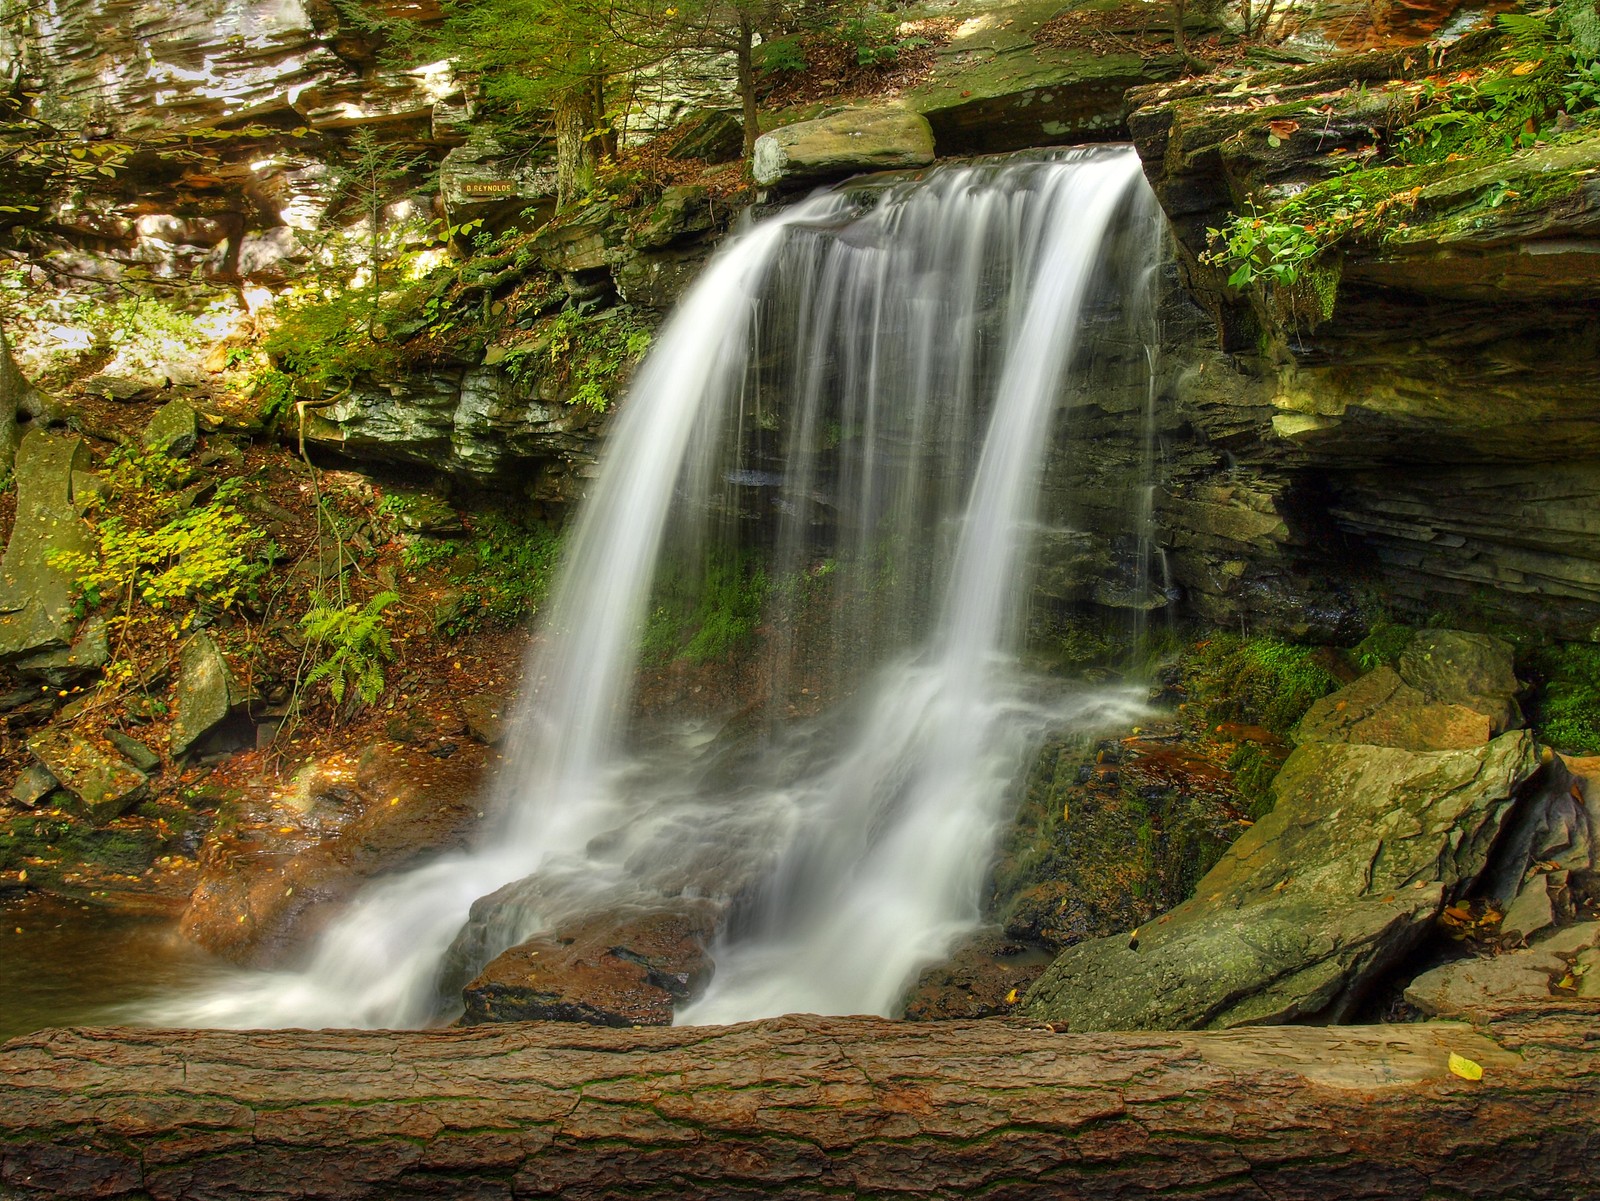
[134, 66]
[236, 106]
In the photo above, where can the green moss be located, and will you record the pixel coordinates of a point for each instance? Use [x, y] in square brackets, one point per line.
[1258, 681]
[1565, 710]
[1254, 767]
[706, 618]
[505, 573]
[1385, 642]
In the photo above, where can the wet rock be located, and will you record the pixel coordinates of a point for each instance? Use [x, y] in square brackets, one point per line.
[986, 975]
[1478, 987]
[102, 785]
[267, 885]
[33, 785]
[206, 692]
[843, 144]
[488, 716]
[1083, 860]
[174, 429]
[1302, 915]
[621, 968]
[35, 595]
[134, 751]
[426, 726]
[1381, 709]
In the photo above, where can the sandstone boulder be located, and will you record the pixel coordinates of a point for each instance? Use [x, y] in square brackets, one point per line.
[1320, 896]
[1477, 987]
[626, 967]
[1449, 690]
[843, 144]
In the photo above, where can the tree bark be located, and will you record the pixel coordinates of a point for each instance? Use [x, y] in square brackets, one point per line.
[744, 57]
[804, 1106]
[576, 115]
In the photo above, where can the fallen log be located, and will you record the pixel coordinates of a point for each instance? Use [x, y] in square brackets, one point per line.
[806, 1106]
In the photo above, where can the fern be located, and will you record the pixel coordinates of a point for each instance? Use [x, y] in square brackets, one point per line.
[353, 643]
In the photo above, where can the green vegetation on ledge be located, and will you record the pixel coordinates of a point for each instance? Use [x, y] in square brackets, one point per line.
[1540, 87]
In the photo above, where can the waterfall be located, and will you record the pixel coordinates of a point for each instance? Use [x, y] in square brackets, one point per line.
[845, 418]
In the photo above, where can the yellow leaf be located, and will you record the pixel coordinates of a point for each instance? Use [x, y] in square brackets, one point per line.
[1465, 1068]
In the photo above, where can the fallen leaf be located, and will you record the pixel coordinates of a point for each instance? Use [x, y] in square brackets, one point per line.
[1465, 1068]
[1282, 128]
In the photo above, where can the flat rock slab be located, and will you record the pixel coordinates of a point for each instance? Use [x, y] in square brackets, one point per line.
[996, 87]
[102, 784]
[802, 1107]
[1478, 986]
[846, 143]
[1364, 845]
[35, 594]
[1381, 709]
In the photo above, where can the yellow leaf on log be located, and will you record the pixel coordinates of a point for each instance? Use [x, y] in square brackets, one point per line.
[1465, 1068]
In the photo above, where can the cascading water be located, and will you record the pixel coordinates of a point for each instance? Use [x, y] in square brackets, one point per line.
[858, 392]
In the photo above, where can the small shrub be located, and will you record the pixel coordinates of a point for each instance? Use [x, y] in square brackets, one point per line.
[588, 355]
[511, 567]
[1566, 707]
[154, 552]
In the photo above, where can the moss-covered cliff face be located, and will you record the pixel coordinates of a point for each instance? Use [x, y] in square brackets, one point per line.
[1426, 444]
[1416, 403]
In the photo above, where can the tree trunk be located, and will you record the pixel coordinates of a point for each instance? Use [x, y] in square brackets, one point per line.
[804, 1106]
[576, 116]
[745, 57]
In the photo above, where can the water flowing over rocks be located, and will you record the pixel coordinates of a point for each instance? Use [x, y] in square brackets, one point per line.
[264, 892]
